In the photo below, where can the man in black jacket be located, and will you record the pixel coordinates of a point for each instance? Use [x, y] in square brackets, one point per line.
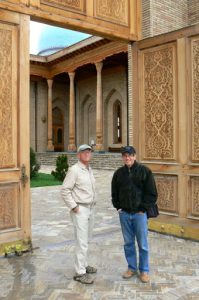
[133, 191]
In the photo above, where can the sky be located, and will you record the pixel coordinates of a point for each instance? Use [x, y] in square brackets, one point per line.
[44, 36]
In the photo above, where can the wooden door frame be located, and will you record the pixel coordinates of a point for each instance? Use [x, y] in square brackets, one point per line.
[87, 16]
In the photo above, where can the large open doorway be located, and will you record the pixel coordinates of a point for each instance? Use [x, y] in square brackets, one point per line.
[15, 212]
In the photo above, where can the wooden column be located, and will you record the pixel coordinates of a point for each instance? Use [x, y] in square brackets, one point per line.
[72, 146]
[99, 115]
[50, 146]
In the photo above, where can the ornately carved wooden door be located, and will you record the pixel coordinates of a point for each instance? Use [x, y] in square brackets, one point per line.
[14, 130]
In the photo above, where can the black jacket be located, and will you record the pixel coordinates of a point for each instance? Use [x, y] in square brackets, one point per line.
[133, 189]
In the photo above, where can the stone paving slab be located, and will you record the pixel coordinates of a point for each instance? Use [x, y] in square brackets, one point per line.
[47, 272]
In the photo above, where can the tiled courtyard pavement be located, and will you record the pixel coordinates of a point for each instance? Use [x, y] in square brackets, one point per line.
[47, 272]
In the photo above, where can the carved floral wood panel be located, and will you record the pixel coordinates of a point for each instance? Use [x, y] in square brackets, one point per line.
[195, 100]
[159, 103]
[17, 1]
[115, 11]
[167, 193]
[194, 196]
[6, 145]
[9, 206]
[78, 5]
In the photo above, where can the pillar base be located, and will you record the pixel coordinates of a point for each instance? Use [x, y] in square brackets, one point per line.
[99, 147]
[50, 146]
[72, 147]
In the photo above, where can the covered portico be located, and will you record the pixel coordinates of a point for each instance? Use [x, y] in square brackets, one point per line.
[91, 110]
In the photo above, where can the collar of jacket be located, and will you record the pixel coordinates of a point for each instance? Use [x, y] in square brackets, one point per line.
[133, 166]
[82, 166]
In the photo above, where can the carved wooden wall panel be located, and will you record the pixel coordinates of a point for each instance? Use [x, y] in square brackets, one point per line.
[159, 103]
[77, 5]
[15, 1]
[115, 11]
[167, 186]
[7, 96]
[194, 196]
[9, 206]
[195, 100]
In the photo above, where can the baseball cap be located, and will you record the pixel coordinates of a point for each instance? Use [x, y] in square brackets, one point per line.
[84, 147]
[128, 149]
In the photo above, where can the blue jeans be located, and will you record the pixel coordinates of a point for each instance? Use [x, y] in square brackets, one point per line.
[134, 226]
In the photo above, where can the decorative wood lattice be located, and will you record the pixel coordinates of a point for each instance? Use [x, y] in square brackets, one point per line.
[167, 193]
[115, 11]
[6, 145]
[159, 103]
[8, 206]
[77, 5]
[195, 196]
[195, 101]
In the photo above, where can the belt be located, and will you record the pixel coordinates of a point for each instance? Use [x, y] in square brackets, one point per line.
[89, 205]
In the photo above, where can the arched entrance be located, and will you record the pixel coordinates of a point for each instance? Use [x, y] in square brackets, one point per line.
[15, 212]
[88, 117]
[115, 121]
[58, 130]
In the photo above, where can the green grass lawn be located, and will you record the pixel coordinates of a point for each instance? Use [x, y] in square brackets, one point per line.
[43, 179]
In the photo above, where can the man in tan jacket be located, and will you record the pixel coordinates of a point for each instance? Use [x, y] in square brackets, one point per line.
[78, 192]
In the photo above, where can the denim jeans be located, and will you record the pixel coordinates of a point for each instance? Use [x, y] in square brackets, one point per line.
[135, 227]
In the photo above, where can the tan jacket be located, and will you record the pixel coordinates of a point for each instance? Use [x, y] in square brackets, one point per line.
[78, 186]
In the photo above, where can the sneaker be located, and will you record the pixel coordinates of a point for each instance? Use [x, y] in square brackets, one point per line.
[144, 277]
[83, 278]
[91, 270]
[128, 274]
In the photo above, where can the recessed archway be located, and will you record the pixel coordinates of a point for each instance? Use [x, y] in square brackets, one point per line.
[58, 129]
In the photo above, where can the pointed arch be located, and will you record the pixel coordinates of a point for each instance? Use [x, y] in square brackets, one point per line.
[58, 129]
[117, 122]
[115, 128]
[88, 120]
[62, 105]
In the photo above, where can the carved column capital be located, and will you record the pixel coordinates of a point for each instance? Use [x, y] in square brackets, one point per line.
[99, 66]
[71, 75]
[50, 83]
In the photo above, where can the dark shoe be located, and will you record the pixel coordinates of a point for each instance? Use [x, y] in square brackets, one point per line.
[83, 278]
[128, 274]
[91, 270]
[144, 277]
